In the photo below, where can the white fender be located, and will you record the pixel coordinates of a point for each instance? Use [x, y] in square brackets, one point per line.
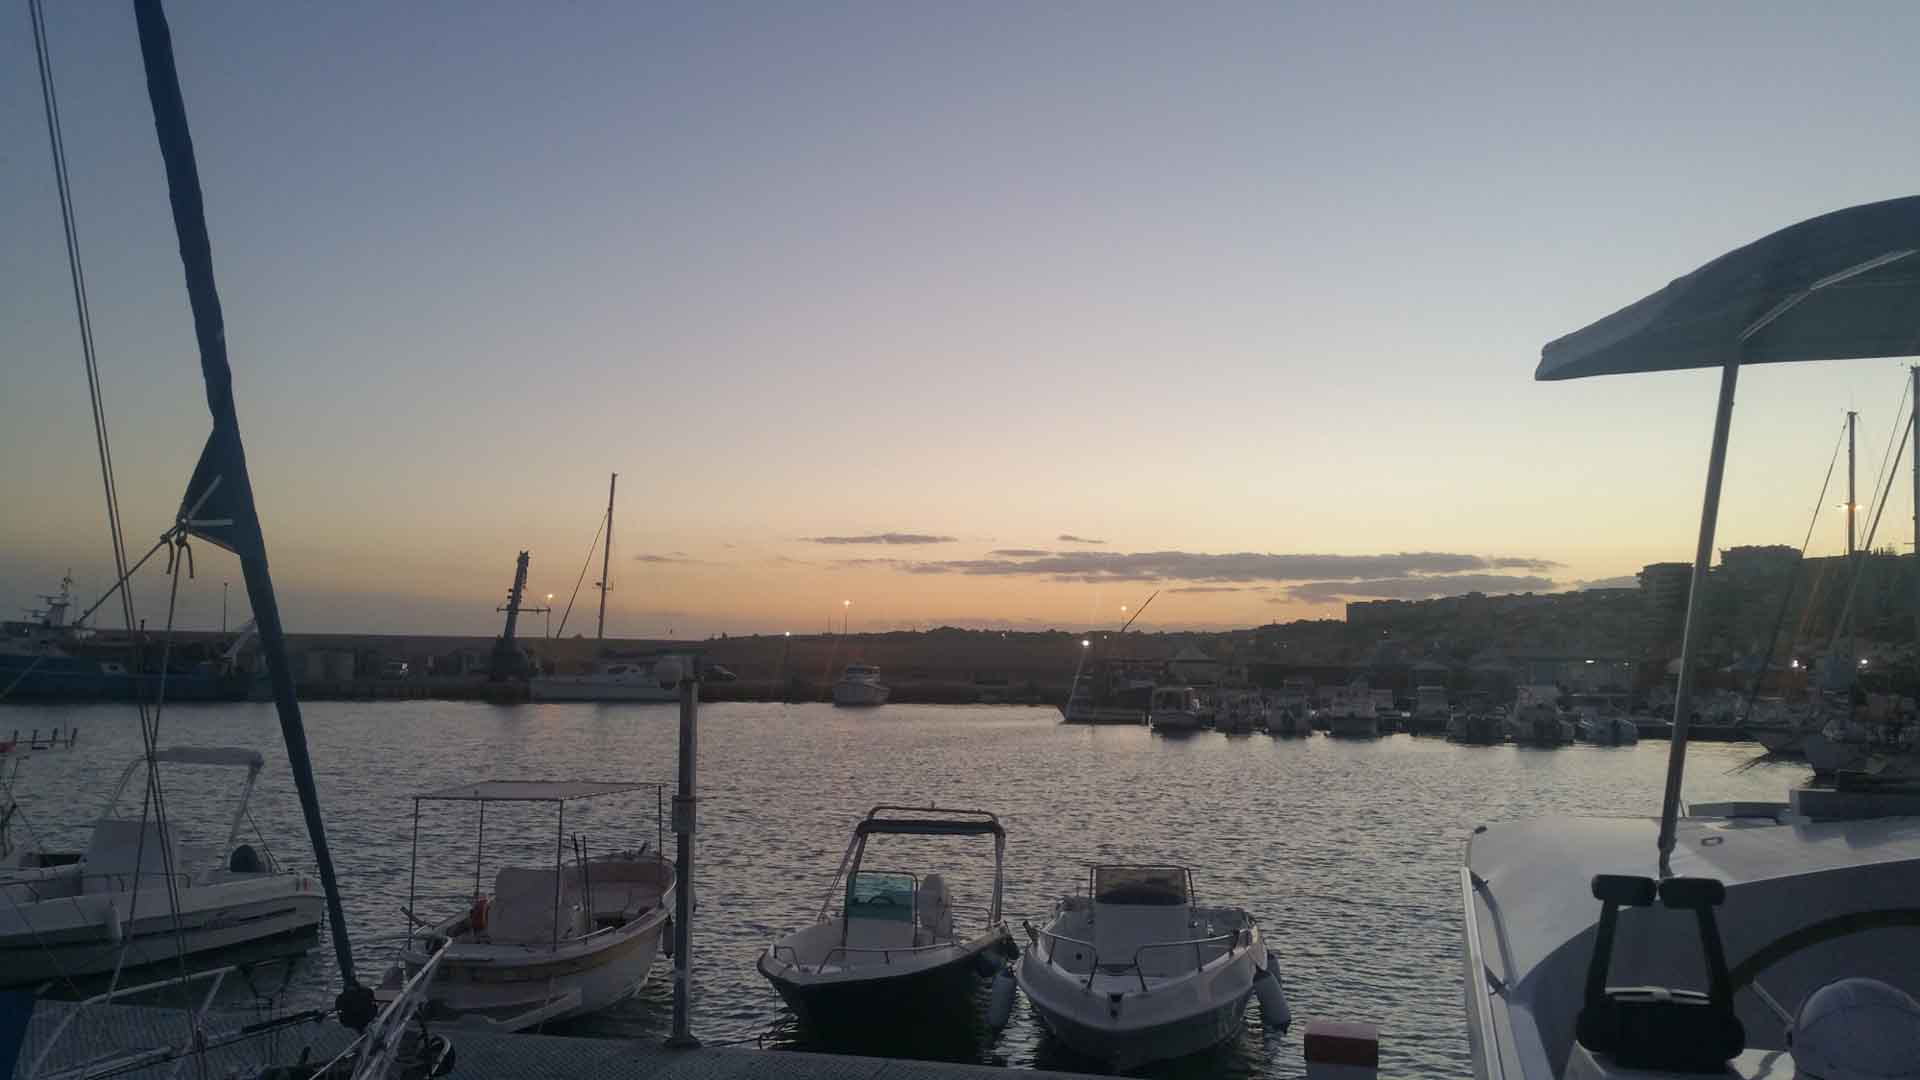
[1000, 1008]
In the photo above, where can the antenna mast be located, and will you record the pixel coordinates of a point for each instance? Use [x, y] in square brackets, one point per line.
[606, 562]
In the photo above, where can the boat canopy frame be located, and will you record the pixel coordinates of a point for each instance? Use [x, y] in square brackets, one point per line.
[894, 820]
[557, 792]
[212, 757]
[1844, 285]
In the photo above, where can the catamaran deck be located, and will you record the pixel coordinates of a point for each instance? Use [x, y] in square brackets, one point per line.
[110, 1029]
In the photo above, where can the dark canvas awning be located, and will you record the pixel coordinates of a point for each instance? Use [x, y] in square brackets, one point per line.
[1845, 285]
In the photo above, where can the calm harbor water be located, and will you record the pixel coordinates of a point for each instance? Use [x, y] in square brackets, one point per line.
[1347, 852]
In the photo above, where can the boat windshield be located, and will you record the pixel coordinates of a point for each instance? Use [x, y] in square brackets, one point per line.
[1153, 886]
[880, 895]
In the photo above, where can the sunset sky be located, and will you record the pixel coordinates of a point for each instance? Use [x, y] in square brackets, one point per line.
[982, 314]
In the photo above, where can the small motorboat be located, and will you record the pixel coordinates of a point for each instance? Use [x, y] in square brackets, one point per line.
[893, 952]
[549, 943]
[72, 914]
[1135, 972]
[1175, 710]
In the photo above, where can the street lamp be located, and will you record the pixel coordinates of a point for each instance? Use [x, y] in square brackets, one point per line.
[846, 608]
[549, 615]
[1085, 644]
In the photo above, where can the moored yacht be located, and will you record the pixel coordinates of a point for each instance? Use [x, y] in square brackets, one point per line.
[1135, 971]
[860, 686]
[1536, 720]
[1431, 711]
[70, 914]
[1738, 940]
[1353, 714]
[893, 952]
[643, 679]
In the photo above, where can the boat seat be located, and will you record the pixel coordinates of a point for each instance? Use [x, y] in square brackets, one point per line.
[934, 908]
[1120, 929]
[523, 912]
[109, 864]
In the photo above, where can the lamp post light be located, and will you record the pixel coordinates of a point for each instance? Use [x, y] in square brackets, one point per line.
[549, 615]
[846, 609]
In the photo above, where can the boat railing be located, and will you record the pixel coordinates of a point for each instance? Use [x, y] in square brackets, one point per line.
[217, 976]
[1474, 887]
[1231, 939]
[844, 951]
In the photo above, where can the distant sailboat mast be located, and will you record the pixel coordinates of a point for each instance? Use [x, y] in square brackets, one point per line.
[606, 562]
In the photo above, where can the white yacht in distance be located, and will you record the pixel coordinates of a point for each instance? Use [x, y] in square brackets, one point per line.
[1735, 940]
[649, 678]
[860, 686]
[1135, 971]
[84, 914]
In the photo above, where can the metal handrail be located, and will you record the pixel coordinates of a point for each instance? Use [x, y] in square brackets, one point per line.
[886, 953]
[1489, 1047]
[1133, 965]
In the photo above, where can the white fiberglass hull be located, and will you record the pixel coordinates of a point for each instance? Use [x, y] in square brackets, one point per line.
[564, 688]
[520, 987]
[859, 694]
[1530, 917]
[1125, 1021]
[76, 936]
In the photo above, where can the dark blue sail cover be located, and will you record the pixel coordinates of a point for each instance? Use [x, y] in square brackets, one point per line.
[1851, 277]
[214, 503]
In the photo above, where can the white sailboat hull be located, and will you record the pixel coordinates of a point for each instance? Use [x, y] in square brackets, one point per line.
[562, 688]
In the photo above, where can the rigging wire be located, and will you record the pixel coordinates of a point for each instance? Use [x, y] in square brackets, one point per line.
[1793, 579]
[154, 800]
[1886, 453]
[577, 582]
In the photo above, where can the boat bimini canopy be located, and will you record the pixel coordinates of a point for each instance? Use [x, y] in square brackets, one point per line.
[1845, 285]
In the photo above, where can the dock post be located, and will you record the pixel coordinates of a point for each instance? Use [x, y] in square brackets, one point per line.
[684, 811]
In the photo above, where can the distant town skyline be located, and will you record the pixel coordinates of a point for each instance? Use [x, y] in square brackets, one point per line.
[982, 317]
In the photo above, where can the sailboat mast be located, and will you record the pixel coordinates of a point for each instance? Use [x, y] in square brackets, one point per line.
[1853, 503]
[225, 448]
[606, 561]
